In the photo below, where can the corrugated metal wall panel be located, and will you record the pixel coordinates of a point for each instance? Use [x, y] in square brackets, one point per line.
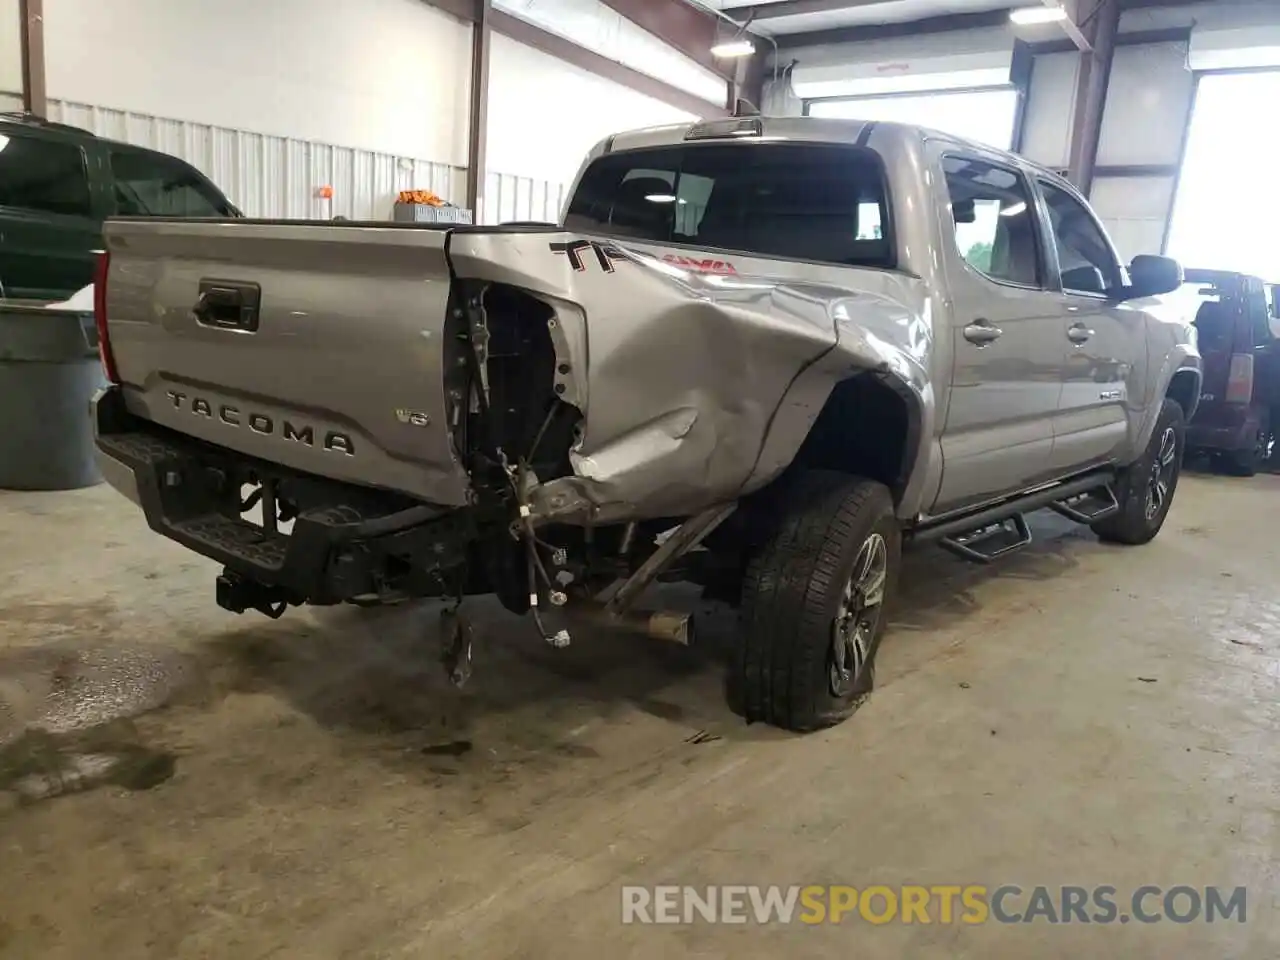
[278, 177]
[509, 198]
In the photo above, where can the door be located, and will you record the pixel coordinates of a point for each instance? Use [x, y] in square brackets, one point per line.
[1103, 342]
[47, 229]
[1006, 336]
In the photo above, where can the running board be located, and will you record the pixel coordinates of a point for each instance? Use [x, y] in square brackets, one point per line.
[1087, 508]
[1000, 529]
[990, 543]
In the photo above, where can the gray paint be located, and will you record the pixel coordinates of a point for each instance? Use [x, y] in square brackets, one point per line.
[696, 388]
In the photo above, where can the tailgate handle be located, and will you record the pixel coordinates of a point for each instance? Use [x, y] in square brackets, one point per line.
[228, 305]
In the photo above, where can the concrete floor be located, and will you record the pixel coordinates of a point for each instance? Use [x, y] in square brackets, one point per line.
[1079, 714]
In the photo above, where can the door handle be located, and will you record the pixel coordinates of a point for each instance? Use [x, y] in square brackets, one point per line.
[1078, 333]
[982, 332]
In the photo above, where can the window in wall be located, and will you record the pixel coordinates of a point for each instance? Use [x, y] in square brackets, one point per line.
[986, 116]
[1228, 202]
[154, 185]
[994, 223]
[1085, 257]
[789, 200]
[43, 175]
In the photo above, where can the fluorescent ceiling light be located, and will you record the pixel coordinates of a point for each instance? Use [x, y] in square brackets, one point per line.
[1030, 15]
[660, 198]
[734, 48]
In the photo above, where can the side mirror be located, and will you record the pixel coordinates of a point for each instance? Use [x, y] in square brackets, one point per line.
[1151, 276]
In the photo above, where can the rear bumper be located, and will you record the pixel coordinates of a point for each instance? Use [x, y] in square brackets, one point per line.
[1221, 426]
[346, 541]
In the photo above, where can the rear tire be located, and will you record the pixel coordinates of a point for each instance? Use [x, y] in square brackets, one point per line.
[1246, 463]
[1145, 488]
[814, 600]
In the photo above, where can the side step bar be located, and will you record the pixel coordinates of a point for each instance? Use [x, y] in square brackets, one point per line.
[1000, 529]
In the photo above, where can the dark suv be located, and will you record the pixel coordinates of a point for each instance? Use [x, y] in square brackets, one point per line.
[1240, 396]
[59, 183]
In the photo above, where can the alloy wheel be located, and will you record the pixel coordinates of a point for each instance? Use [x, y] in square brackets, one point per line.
[1162, 471]
[858, 616]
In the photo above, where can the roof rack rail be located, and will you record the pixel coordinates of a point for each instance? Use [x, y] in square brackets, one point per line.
[24, 116]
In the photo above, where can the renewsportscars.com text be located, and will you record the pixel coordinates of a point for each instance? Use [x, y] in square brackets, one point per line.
[937, 904]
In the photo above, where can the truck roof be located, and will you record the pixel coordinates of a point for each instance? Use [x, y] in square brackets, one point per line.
[813, 130]
[36, 122]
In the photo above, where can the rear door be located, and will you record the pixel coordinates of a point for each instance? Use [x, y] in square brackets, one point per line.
[1216, 304]
[48, 227]
[1006, 335]
[1259, 338]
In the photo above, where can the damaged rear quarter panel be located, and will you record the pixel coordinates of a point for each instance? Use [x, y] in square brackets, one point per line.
[703, 372]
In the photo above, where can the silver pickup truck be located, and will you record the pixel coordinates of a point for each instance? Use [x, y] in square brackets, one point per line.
[758, 355]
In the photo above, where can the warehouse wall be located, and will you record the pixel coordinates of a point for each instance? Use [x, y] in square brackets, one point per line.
[275, 98]
[10, 56]
[545, 114]
[270, 176]
[1148, 102]
[1147, 108]
[381, 75]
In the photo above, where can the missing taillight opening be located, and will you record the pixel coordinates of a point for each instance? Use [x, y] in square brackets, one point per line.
[102, 264]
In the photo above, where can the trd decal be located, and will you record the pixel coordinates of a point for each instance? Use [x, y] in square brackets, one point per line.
[698, 265]
[607, 255]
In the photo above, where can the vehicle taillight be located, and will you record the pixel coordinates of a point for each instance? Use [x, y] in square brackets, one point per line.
[101, 265]
[1240, 380]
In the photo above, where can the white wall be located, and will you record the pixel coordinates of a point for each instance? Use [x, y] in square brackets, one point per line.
[10, 54]
[382, 75]
[544, 114]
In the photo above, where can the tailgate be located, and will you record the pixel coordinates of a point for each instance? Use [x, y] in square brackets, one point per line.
[314, 345]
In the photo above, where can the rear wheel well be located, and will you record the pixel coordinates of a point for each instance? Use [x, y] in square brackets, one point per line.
[866, 428]
[1184, 389]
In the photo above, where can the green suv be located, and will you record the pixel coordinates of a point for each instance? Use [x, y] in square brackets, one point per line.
[59, 183]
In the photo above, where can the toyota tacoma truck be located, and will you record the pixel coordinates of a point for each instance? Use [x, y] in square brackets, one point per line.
[757, 354]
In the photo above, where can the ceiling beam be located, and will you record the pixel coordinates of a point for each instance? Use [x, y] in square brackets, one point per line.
[682, 26]
[885, 31]
[531, 35]
[753, 12]
[552, 44]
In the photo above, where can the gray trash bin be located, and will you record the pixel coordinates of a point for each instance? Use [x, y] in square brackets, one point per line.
[49, 371]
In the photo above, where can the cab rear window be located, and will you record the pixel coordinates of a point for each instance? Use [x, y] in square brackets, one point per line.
[795, 201]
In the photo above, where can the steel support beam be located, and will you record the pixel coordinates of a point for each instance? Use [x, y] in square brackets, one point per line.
[885, 31]
[680, 25]
[748, 80]
[531, 35]
[478, 115]
[31, 27]
[1098, 21]
[793, 8]
[556, 46]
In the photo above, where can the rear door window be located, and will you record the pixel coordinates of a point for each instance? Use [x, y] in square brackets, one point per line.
[994, 220]
[154, 185]
[791, 201]
[46, 176]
